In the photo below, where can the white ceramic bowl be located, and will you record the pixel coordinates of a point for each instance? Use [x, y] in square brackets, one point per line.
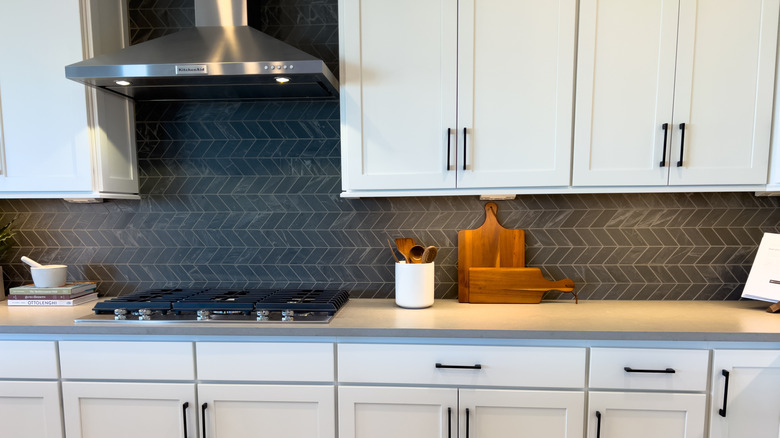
[49, 275]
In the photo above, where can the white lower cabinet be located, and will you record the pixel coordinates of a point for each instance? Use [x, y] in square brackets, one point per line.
[384, 412]
[745, 394]
[369, 410]
[129, 409]
[646, 415]
[30, 409]
[29, 390]
[244, 411]
[292, 395]
[647, 393]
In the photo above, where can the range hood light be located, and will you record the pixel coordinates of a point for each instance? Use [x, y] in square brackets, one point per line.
[282, 80]
[123, 83]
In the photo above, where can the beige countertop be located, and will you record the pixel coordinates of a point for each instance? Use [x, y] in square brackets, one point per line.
[698, 321]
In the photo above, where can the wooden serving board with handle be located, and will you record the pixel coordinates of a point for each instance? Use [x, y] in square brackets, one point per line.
[491, 266]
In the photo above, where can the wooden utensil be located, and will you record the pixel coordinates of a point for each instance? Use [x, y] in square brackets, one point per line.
[429, 254]
[392, 250]
[404, 245]
[416, 253]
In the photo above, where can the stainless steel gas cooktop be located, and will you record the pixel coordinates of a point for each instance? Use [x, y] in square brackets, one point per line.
[220, 305]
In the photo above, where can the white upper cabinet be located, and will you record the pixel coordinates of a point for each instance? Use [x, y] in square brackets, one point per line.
[56, 138]
[457, 95]
[674, 92]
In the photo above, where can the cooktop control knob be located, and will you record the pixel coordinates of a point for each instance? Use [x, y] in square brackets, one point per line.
[120, 314]
[204, 315]
[145, 314]
[288, 315]
[263, 315]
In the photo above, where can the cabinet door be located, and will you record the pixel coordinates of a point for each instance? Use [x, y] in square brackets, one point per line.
[724, 91]
[531, 414]
[398, 93]
[515, 92]
[43, 117]
[646, 415]
[30, 409]
[244, 411]
[625, 89]
[386, 412]
[129, 410]
[752, 406]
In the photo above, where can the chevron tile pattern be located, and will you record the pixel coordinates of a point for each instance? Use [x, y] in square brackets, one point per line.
[247, 195]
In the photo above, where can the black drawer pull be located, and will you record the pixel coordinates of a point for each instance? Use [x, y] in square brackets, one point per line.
[449, 136]
[665, 127]
[184, 407]
[598, 424]
[464, 148]
[722, 412]
[682, 144]
[666, 371]
[449, 422]
[460, 367]
[467, 423]
[203, 417]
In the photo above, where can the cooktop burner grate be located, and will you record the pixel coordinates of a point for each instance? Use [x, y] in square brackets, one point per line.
[308, 305]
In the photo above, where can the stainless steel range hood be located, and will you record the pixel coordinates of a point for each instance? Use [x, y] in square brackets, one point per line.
[220, 59]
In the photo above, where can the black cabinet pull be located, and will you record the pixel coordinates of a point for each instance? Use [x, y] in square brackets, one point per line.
[722, 412]
[449, 136]
[682, 143]
[467, 422]
[449, 422]
[464, 148]
[184, 416]
[666, 371]
[665, 127]
[598, 424]
[460, 367]
[203, 417]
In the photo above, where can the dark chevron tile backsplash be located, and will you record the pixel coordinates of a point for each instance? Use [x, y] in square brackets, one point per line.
[247, 195]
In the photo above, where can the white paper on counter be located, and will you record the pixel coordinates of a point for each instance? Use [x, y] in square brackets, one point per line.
[763, 282]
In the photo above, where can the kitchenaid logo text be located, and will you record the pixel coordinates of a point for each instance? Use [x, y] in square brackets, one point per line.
[192, 69]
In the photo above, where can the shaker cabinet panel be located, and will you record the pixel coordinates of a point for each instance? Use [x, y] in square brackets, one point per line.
[59, 139]
[515, 92]
[745, 394]
[398, 96]
[646, 415]
[30, 409]
[129, 410]
[244, 411]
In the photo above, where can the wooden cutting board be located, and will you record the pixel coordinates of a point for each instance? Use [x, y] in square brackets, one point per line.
[489, 246]
[495, 257]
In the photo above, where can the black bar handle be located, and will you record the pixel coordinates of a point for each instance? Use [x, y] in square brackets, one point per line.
[203, 417]
[464, 148]
[665, 371]
[449, 136]
[184, 416]
[722, 412]
[460, 367]
[598, 424]
[682, 144]
[449, 422]
[467, 422]
[665, 127]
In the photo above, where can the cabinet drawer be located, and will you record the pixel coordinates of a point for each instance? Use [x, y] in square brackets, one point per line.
[28, 360]
[659, 369]
[127, 360]
[300, 362]
[547, 367]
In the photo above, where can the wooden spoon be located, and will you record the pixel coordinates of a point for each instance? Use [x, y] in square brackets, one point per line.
[416, 253]
[429, 254]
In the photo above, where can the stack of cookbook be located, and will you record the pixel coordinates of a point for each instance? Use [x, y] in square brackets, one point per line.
[71, 294]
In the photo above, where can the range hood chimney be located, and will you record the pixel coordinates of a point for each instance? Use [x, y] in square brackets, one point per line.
[221, 58]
